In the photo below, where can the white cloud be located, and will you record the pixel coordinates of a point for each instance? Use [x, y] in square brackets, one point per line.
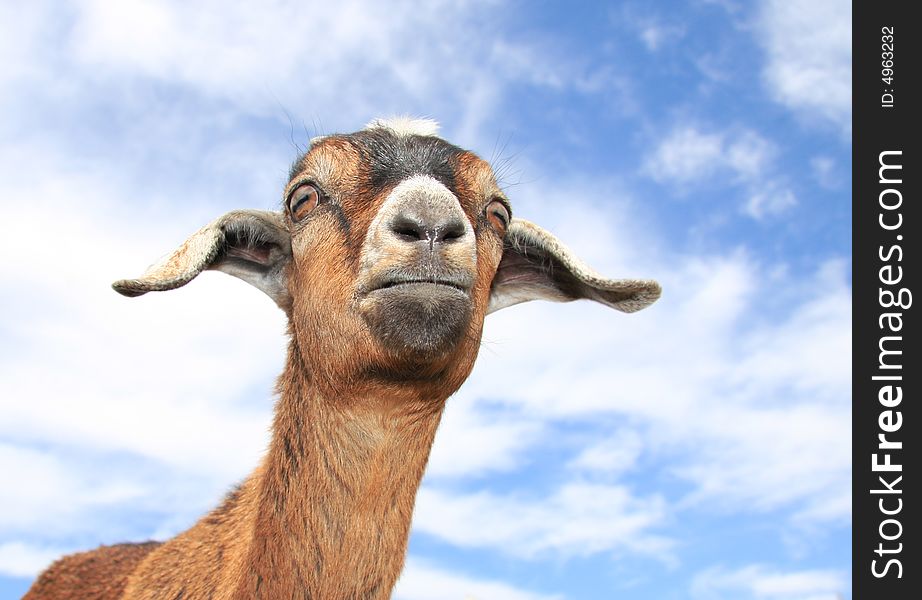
[49, 493]
[752, 410]
[654, 30]
[686, 155]
[749, 155]
[769, 201]
[612, 455]
[239, 50]
[422, 581]
[806, 466]
[805, 351]
[88, 374]
[655, 35]
[718, 159]
[758, 582]
[783, 425]
[19, 27]
[22, 560]
[474, 439]
[689, 154]
[106, 357]
[345, 62]
[808, 66]
[579, 519]
[826, 172]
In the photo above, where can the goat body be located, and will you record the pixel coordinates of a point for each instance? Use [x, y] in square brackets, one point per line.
[391, 249]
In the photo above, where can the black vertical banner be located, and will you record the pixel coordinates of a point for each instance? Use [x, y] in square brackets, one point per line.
[886, 264]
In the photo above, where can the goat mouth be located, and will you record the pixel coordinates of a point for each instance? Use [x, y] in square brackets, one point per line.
[425, 316]
[387, 285]
[397, 283]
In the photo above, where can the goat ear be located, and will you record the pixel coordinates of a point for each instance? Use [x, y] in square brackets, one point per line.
[250, 244]
[535, 265]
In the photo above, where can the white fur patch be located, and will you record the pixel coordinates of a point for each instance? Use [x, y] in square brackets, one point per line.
[379, 241]
[405, 126]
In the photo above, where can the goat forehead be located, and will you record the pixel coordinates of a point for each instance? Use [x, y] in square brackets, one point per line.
[390, 159]
[374, 161]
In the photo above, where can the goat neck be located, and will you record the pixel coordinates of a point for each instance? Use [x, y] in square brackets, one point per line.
[335, 493]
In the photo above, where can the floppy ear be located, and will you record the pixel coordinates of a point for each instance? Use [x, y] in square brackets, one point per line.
[253, 245]
[535, 265]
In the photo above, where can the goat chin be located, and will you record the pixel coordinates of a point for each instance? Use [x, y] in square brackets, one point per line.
[419, 318]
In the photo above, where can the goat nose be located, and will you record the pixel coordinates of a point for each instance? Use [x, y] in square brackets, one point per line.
[414, 225]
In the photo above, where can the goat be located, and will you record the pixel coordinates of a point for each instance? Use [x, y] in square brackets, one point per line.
[392, 247]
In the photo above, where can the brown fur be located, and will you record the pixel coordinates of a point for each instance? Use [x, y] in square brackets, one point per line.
[96, 574]
[327, 512]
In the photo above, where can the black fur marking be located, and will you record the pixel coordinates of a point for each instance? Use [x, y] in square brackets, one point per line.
[293, 457]
[392, 158]
[341, 219]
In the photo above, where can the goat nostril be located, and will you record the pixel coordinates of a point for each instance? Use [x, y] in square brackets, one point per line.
[450, 232]
[408, 230]
[407, 234]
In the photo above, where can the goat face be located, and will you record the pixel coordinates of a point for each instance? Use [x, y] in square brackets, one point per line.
[394, 251]
[392, 247]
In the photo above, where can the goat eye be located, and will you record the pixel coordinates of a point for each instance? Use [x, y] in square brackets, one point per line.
[498, 215]
[303, 200]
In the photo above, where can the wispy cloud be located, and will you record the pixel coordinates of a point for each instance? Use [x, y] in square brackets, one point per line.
[421, 579]
[50, 494]
[315, 60]
[502, 435]
[654, 29]
[687, 155]
[579, 519]
[22, 560]
[758, 582]
[808, 66]
[747, 398]
[611, 456]
[827, 173]
[87, 381]
[315, 52]
[717, 158]
[770, 201]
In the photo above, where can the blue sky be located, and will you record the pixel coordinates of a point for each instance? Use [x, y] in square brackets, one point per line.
[699, 449]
